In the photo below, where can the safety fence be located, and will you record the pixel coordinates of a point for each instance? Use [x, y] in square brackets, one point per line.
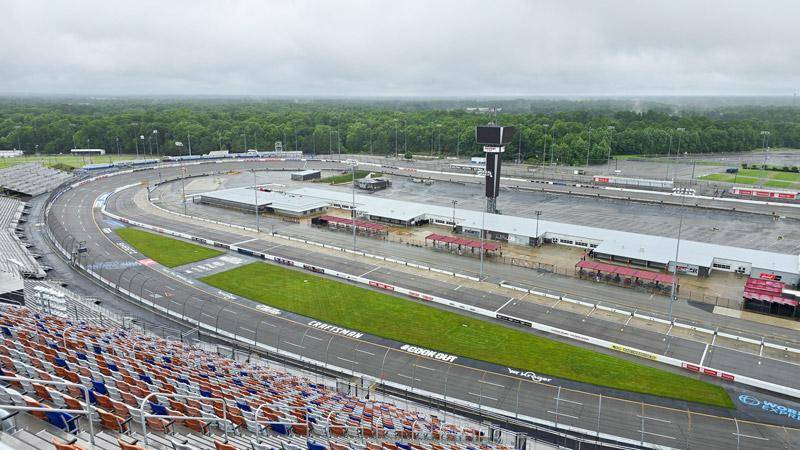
[512, 395]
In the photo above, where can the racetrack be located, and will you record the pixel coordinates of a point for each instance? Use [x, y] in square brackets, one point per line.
[73, 219]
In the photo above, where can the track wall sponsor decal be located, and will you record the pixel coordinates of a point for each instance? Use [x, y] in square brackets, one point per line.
[429, 353]
[529, 375]
[335, 329]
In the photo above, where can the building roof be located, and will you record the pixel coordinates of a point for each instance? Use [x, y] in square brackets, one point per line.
[279, 200]
[87, 150]
[306, 172]
[632, 245]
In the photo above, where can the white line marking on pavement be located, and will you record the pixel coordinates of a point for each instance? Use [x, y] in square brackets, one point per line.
[364, 351]
[347, 360]
[426, 368]
[458, 287]
[248, 330]
[504, 304]
[654, 418]
[314, 337]
[481, 395]
[244, 242]
[208, 315]
[564, 400]
[406, 376]
[656, 434]
[370, 271]
[703, 358]
[292, 343]
[751, 437]
[489, 382]
[563, 415]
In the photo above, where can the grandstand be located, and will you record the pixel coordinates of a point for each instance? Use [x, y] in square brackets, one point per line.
[129, 390]
[14, 255]
[31, 179]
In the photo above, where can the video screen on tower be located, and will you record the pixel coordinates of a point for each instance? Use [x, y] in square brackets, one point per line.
[493, 135]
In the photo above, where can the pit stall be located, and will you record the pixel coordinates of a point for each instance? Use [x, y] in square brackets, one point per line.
[459, 244]
[362, 226]
[625, 276]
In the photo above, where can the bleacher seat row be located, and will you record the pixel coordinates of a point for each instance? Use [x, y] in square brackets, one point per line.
[32, 178]
[192, 398]
[15, 255]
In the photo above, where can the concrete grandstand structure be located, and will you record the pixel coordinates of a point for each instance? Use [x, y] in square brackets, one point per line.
[31, 179]
[15, 257]
[105, 387]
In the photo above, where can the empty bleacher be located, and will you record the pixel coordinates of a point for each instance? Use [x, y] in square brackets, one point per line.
[31, 179]
[193, 399]
[50, 298]
[14, 254]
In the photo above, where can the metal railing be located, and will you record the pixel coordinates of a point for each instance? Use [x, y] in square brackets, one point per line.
[307, 424]
[87, 411]
[145, 414]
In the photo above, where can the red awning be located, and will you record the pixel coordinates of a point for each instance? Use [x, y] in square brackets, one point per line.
[625, 271]
[359, 223]
[472, 243]
[766, 291]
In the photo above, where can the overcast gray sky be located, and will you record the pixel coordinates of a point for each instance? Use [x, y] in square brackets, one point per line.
[400, 47]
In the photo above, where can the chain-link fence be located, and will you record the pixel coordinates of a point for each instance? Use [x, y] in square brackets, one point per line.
[506, 396]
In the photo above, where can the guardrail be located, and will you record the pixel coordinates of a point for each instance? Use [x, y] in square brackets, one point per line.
[689, 366]
[531, 422]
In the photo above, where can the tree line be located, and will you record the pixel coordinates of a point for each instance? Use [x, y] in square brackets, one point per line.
[568, 134]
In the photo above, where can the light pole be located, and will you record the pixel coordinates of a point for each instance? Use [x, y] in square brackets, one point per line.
[610, 129]
[454, 212]
[483, 231]
[255, 202]
[370, 141]
[764, 136]
[538, 213]
[588, 147]
[669, 153]
[245, 141]
[395, 138]
[544, 144]
[183, 189]
[116, 139]
[439, 139]
[353, 164]
[674, 294]
[144, 149]
[519, 148]
[678, 151]
[155, 133]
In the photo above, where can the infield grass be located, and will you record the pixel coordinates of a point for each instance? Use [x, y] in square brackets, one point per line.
[166, 251]
[71, 161]
[348, 177]
[414, 323]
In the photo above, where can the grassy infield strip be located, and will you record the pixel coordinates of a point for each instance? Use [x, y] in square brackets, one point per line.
[406, 321]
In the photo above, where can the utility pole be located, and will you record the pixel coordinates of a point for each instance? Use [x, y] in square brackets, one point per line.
[189, 138]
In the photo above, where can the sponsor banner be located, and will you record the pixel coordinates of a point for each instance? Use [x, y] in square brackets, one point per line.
[313, 268]
[284, 261]
[769, 406]
[529, 375]
[633, 351]
[428, 353]
[425, 297]
[335, 329]
[377, 284]
[515, 320]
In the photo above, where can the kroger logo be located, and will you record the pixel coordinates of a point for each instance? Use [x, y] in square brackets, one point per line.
[769, 406]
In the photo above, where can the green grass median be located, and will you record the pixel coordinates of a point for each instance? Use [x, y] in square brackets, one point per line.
[414, 323]
[346, 177]
[166, 251]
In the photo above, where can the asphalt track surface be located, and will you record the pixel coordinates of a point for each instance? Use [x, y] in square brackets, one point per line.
[74, 219]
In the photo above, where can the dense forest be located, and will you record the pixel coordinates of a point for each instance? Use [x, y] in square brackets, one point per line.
[557, 131]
